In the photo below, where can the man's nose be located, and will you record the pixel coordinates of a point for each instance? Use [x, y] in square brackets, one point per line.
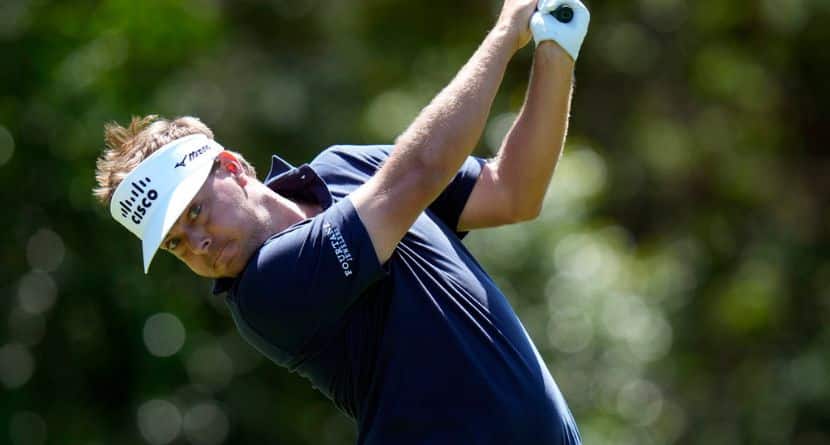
[199, 241]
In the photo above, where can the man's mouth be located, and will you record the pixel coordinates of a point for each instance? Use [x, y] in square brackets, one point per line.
[224, 256]
[219, 256]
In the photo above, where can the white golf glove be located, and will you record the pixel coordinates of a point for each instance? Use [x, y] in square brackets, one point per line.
[563, 21]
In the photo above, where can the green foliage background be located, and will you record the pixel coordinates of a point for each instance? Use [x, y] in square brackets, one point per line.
[677, 282]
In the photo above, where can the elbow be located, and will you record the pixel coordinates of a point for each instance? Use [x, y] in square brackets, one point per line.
[522, 210]
[516, 204]
[526, 212]
[422, 161]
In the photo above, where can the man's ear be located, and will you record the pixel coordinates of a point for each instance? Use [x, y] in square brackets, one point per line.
[231, 164]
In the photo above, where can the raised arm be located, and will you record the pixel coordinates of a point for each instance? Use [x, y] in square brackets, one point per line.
[512, 186]
[428, 154]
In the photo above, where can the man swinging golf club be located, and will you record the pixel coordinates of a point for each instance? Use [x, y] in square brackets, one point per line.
[350, 270]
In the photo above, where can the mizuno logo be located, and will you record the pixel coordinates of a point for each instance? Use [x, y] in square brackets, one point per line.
[192, 155]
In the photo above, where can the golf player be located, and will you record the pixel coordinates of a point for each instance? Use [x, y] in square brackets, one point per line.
[350, 270]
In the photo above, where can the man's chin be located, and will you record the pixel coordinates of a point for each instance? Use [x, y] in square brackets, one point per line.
[233, 259]
[207, 274]
[215, 274]
[231, 263]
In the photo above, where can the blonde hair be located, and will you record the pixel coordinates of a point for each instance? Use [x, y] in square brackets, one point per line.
[127, 147]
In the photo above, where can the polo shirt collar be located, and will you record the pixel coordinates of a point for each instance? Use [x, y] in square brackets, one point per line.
[300, 184]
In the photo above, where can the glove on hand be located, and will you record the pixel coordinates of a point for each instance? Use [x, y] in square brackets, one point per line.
[563, 21]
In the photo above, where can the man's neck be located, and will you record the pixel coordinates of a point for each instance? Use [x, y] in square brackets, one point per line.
[309, 210]
[284, 212]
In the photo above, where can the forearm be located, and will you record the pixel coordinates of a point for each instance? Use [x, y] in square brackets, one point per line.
[430, 152]
[527, 158]
[448, 129]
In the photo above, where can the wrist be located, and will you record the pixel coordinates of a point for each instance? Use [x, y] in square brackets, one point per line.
[505, 39]
[516, 36]
[552, 51]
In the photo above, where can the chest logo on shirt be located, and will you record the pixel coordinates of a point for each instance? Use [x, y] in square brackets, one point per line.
[341, 250]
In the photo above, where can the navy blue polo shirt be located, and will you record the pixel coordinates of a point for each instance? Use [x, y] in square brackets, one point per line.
[424, 349]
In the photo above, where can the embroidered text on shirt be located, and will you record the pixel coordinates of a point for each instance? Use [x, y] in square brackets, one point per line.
[341, 250]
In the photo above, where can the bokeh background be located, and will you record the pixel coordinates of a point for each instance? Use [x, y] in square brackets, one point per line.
[677, 282]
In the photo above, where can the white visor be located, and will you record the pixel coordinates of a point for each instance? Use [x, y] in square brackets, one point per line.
[153, 196]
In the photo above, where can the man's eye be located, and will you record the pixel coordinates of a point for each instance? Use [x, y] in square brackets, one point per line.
[171, 244]
[194, 211]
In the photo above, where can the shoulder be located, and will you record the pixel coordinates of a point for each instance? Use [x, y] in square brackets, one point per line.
[276, 260]
[354, 156]
[349, 165]
[303, 279]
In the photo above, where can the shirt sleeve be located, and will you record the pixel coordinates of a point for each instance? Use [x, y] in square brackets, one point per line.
[355, 164]
[302, 281]
[450, 203]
